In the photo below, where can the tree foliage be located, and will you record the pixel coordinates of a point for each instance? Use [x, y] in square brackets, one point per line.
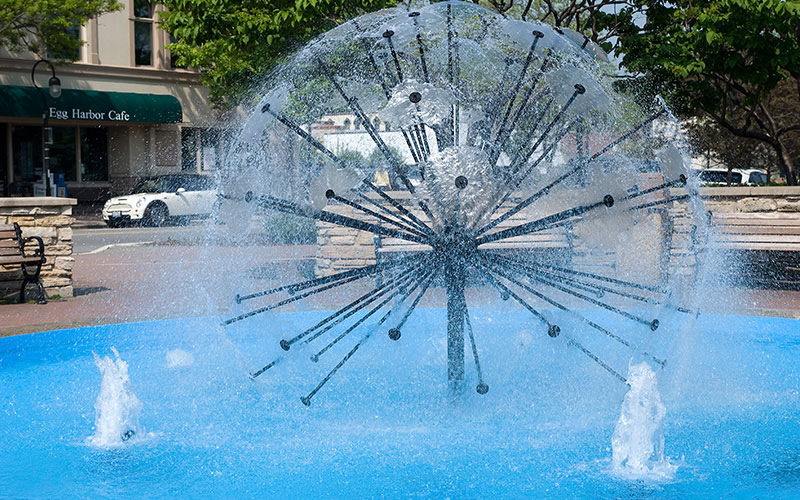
[725, 59]
[235, 42]
[43, 26]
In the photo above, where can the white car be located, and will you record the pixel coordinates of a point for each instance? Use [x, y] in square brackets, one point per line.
[738, 176]
[155, 200]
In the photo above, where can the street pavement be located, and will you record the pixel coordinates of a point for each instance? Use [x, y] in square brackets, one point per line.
[94, 239]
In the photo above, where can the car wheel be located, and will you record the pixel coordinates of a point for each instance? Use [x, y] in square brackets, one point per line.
[216, 210]
[155, 215]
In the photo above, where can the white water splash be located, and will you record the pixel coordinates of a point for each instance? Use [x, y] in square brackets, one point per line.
[638, 442]
[117, 408]
[178, 358]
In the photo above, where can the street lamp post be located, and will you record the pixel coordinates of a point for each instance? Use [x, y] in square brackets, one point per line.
[47, 133]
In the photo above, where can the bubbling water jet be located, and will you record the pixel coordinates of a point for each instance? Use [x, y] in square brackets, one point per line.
[117, 408]
[638, 441]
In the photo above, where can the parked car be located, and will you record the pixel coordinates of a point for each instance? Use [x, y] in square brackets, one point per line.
[156, 200]
[738, 176]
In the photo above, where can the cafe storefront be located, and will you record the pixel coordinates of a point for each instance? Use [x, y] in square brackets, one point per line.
[100, 140]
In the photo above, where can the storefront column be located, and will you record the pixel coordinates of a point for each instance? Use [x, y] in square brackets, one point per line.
[78, 159]
[9, 159]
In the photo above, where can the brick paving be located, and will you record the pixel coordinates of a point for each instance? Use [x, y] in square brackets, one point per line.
[126, 284]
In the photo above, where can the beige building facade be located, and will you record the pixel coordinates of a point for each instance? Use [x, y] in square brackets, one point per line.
[125, 111]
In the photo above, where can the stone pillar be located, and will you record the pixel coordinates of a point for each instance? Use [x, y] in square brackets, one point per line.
[51, 219]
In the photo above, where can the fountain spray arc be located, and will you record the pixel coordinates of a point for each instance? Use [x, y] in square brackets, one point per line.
[494, 162]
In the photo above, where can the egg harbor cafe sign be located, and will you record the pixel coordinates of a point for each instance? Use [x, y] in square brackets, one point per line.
[80, 114]
[90, 105]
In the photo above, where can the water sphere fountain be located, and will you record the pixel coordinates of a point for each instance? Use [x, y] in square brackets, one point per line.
[514, 140]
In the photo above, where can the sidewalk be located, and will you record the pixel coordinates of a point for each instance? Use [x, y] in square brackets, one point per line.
[154, 282]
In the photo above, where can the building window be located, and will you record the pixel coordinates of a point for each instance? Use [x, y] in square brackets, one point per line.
[62, 153]
[377, 123]
[173, 59]
[347, 123]
[26, 143]
[203, 149]
[358, 123]
[94, 154]
[73, 54]
[143, 32]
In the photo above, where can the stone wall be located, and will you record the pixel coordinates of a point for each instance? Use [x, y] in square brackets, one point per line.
[51, 219]
[751, 199]
[340, 248]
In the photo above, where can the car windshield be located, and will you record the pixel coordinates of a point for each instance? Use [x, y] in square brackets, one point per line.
[170, 184]
[720, 177]
[154, 185]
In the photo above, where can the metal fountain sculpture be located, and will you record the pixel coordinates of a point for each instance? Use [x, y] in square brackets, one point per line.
[477, 142]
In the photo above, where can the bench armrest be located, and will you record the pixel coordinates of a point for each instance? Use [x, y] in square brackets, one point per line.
[39, 252]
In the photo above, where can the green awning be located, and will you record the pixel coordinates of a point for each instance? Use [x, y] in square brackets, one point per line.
[90, 105]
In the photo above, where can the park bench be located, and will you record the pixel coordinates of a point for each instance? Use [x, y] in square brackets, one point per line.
[769, 243]
[12, 253]
[551, 244]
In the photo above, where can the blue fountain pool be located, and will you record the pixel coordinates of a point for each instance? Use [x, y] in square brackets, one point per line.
[383, 427]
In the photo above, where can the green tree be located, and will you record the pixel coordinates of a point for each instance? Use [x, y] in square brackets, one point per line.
[724, 59]
[45, 26]
[235, 42]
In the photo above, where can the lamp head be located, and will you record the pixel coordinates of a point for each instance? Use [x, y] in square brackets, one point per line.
[55, 87]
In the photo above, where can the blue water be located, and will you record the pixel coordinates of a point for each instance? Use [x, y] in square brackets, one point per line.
[383, 427]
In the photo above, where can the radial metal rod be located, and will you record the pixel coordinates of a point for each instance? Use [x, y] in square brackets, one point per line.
[481, 388]
[265, 368]
[389, 213]
[286, 344]
[580, 166]
[357, 206]
[387, 92]
[342, 220]
[400, 208]
[660, 202]
[414, 15]
[295, 287]
[375, 309]
[540, 224]
[320, 147]
[451, 69]
[394, 333]
[652, 324]
[579, 90]
[606, 279]
[524, 101]
[289, 300]
[576, 283]
[388, 34]
[552, 329]
[516, 183]
[379, 292]
[306, 400]
[515, 91]
[680, 181]
[570, 340]
[565, 309]
[356, 108]
[505, 131]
